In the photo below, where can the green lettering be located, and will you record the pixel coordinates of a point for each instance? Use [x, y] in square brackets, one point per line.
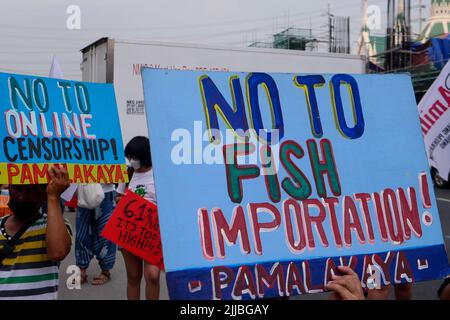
[235, 172]
[42, 106]
[322, 167]
[298, 187]
[15, 90]
[84, 104]
[64, 86]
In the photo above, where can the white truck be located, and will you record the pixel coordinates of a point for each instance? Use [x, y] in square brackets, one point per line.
[120, 62]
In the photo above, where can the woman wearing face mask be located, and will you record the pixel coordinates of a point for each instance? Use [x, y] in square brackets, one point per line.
[137, 152]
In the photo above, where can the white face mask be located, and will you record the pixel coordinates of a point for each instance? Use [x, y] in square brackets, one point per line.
[135, 164]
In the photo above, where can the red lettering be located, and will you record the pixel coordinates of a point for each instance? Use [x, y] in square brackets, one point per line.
[244, 283]
[269, 280]
[119, 174]
[391, 208]
[316, 220]
[295, 247]
[351, 221]
[222, 229]
[294, 280]
[437, 110]
[384, 266]
[38, 173]
[13, 171]
[410, 213]
[331, 204]
[109, 171]
[26, 177]
[445, 94]
[77, 175]
[364, 199]
[100, 175]
[403, 269]
[330, 270]
[87, 170]
[221, 278]
[205, 234]
[258, 226]
[424, 125]
[424, 191]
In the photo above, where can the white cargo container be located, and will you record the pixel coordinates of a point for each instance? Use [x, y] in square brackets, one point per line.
[120, 62]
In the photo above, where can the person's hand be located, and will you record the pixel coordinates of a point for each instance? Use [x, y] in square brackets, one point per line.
[345, 287]
[59, 181]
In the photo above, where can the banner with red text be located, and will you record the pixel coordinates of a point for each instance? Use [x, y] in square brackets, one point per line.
[53, 121]
[267, 182]
[435, 124]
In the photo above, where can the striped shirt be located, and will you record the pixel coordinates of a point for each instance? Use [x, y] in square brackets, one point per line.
[27, 273]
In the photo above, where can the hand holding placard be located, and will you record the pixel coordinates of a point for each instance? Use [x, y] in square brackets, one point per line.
[52, 121]
[134, 226]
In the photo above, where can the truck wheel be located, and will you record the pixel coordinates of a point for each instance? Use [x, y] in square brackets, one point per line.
[439, 181]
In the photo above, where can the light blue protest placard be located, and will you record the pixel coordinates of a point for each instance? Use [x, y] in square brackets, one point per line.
[267, 182]
[53, 121]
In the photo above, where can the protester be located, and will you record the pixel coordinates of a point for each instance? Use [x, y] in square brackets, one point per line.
[137, 152]
[29, 264]
[89, 243]
[346, 286]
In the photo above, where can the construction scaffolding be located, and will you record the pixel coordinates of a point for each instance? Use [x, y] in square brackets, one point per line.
[294, 39]
[291, 39]
[421, 57]
[339, 34]
[423, 71]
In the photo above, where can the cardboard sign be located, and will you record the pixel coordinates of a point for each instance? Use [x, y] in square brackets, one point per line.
[435, 123]
[51, 121]
[134, 226]
[315, 171]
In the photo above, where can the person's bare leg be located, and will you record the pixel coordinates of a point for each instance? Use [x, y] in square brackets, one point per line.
[151, 276]
[403, 291]
[133, 264]
[83, 275]
[378, 294]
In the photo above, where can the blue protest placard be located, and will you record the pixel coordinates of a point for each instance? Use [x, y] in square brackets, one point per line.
[53, 121]
[267, 182]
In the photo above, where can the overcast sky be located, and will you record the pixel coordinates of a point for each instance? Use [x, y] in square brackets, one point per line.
[32, 31]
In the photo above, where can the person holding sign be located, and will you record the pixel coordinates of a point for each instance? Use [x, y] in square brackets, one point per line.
[137, 152]
[346, 286]
[31, 243]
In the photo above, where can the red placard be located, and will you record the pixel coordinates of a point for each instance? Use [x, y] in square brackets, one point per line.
[134, 226]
